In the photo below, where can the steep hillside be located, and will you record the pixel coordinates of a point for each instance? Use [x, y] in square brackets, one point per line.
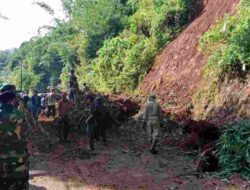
[178, 70]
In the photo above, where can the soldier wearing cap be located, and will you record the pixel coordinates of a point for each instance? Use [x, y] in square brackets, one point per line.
[14, 173]
[152, 120]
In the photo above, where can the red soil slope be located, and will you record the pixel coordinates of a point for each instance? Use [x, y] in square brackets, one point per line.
[177, 71]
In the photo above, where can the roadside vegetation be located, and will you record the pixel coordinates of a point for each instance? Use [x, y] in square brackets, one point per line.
[111, 44]
[228, 43]
[227, 48]
[234, 150]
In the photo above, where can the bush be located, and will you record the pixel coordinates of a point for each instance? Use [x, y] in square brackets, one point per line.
[234, 150]
[112, 43]
[228, 43]
[124, 60]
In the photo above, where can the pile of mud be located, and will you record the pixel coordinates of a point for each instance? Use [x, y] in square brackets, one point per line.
[178, 70]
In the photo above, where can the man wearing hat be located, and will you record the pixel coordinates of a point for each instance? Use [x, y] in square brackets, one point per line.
[14, 173]
[152, 119]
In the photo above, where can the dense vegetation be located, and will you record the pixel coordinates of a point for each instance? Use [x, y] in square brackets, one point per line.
[111, 44]
[228, 43]
[234, 149]
[227, 46]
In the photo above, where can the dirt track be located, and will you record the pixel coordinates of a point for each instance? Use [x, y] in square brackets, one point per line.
[124, 163]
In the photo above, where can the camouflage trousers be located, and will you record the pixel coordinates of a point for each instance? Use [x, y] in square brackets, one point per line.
[14, 175]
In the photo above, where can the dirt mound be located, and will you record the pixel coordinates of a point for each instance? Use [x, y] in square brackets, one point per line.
[231, 103]
[178, 69]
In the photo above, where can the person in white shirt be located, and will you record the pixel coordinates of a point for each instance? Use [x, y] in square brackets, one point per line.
[51, 101]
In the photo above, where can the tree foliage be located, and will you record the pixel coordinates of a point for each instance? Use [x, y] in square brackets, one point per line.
[45, 6]
[44, 57]
[99, 20]
[112, 44]
[124, 60]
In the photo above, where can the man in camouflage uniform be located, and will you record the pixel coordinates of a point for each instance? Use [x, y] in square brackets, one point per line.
[14, 173]
[152, 120]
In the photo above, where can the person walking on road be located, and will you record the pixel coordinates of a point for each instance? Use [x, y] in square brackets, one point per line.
[35, 105]
[91, 121]
[64, 107]
[51, 101]
[26, 100]
[100, 112]
[152, 120]
[73, 85]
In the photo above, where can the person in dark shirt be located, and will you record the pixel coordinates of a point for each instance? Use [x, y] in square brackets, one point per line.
[35, 105]
[100, 119]
[73, 85]
[26, 100]
[91, 122]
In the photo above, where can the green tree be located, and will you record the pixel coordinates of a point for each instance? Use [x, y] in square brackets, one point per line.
[99, 20]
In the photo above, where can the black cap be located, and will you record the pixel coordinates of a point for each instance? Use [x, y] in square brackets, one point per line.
[7, 91]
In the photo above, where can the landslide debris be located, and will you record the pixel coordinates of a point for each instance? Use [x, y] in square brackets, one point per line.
[178, 70]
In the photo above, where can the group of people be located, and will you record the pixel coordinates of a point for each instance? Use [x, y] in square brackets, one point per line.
[39, 104]
[14, 172]
[14, 165]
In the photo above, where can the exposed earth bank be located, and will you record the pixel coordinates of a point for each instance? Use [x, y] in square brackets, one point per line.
[177, 74]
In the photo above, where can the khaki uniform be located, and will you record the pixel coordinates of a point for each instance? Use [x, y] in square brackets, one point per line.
[152, 115]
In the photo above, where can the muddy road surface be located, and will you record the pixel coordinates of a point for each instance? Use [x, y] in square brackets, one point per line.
[123, 163]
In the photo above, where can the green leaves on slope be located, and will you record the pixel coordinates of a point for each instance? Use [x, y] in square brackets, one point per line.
[234, 149]
[228, 42]
[123, 61]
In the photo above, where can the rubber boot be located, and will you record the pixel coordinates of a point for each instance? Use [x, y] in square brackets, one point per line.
[153, 146]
